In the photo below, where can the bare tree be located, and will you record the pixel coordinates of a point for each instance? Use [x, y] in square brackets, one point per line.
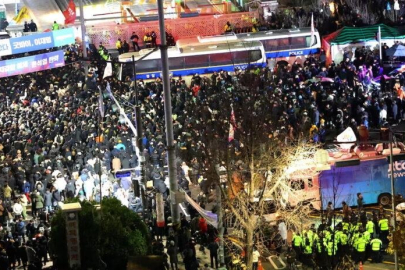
[363, 8]
[397, 239]
[259, 161]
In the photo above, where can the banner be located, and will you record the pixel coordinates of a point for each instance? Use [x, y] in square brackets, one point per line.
[101, 102]
[108, 71]
[312, 31]
[346, 137]
[70, 13]
[232, 125]
[210, 217]
[31, 64]
[160, 211]
[37, 42]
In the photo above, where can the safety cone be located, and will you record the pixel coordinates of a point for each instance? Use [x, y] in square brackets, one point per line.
[360, 266]
[259, 265]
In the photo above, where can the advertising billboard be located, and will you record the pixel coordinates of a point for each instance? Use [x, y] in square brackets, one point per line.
[37, 42]
[32, 63]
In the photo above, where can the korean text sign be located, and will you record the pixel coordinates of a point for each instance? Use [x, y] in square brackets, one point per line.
[32, 63]
[36, 42]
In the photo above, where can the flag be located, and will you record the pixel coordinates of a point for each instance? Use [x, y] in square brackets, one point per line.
[108, 89]
[70, 13]
[108, 69]
[23, 14]
[378, 34]
[210, 217]
[231, 135]
[312, 30]
[379, 42]
[101, 103]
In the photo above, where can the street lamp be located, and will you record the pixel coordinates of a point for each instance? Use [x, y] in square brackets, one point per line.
[391, 160]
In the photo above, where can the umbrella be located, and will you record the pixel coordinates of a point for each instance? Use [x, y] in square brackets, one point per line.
[326, 79]
[396, 51]
[377, 79]
[312, 80]
[398, 70]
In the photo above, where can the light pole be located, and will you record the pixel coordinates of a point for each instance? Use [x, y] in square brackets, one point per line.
[139, 131]
[171, 160]
[391, 160]
[222, 173]
[83, 27]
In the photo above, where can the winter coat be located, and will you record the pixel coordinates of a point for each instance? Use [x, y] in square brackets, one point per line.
[48, 198]
[39, 201]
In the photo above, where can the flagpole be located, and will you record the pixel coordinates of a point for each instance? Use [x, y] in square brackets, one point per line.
[379, 44]
[312, 31]
[83, 27]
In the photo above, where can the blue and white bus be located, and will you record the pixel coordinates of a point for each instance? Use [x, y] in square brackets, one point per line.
[286, 44]
[190, 56]
[371, 178]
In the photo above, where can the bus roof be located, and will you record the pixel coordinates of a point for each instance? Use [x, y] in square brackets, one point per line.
[191, 47]
[276, 33]
[217, 46]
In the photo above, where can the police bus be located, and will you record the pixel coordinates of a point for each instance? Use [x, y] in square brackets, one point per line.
[190, 56]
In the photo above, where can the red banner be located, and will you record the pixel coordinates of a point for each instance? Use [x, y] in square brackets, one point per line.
[70, 13]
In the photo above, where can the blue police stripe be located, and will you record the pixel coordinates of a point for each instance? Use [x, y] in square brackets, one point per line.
[273, 54]
[192, 71]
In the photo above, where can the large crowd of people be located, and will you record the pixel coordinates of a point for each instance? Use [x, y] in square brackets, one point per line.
[54, 145]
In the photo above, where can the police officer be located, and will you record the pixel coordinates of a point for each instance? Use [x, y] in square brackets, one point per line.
[297, 243]
[307, 250]
[345, 224]
[376, 245]
[370, 227]
[343, 243]
[383, 225]
[55, 26]
[331, 248]
[360, 249]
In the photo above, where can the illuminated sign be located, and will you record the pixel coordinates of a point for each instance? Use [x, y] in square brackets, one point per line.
[37, 42]
[31, 63]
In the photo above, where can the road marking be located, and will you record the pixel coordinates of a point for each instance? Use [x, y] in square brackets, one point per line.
[373, 267]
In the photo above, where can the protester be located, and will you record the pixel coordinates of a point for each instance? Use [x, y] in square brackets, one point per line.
[33, 26]
[135, 39]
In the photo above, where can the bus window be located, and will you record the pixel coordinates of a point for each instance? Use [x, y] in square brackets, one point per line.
[310, 183]
[270, 44]
[196, 61]
[246, 56]
[219, 59]
[308, 41]
[255, 55]
[148, 65]
[297, 184]
[127, 70]
[283, 43]
[241, 57]
[298, 42]
[176, 63]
